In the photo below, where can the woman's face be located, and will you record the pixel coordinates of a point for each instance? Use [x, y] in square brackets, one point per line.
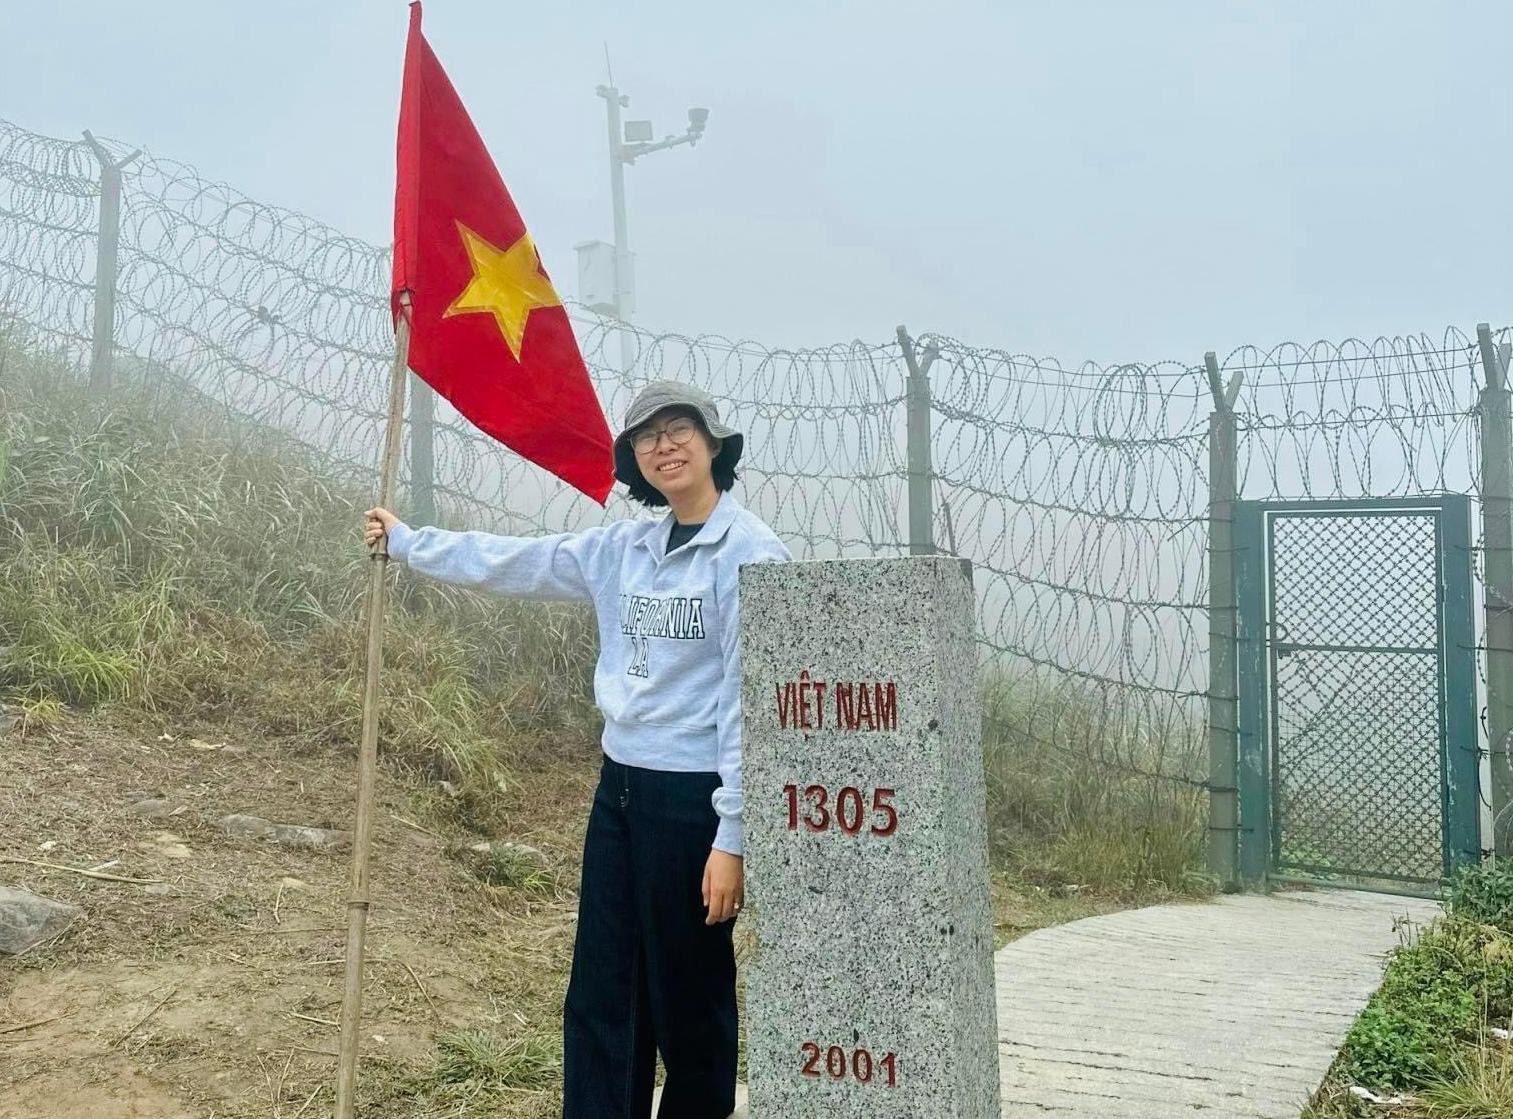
[675, 455]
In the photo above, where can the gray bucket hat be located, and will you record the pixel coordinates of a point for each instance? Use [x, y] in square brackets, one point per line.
[660, 395]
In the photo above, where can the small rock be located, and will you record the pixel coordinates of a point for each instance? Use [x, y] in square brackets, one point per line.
[47, 845]
[155, 808]
[160, 889]
[291, 835]
[27, 919]
[168, 845]
[321, 839]
[252, 827]
[292, 884]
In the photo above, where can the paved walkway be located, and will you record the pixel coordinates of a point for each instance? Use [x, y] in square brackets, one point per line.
[1233, 1008]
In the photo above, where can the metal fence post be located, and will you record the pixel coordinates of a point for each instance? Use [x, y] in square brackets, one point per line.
[1496, 407]
[920, 465]
[1224, 835]
[422, 452]
[106, 251]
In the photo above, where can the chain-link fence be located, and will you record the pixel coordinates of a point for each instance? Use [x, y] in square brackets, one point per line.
[1083, 495]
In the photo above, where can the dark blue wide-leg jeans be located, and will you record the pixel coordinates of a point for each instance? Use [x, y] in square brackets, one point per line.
[648, 974]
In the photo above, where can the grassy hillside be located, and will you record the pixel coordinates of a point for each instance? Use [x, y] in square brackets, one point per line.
[161, 561]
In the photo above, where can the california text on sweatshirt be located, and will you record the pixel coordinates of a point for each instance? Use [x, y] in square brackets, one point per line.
[668, 680]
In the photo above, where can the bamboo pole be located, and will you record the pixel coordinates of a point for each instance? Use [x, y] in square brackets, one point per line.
[367, 765]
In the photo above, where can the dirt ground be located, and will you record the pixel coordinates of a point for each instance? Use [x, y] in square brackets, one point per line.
[211, 988]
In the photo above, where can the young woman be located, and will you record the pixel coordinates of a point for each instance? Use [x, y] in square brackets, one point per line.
[653, 965]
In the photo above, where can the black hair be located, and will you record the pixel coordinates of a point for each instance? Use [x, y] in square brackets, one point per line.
[722, 468]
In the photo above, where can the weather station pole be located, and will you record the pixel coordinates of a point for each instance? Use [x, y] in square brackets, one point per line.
[606, 277]
[614, 101]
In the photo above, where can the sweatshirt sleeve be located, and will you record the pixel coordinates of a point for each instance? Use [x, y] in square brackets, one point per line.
[548, 567]
[727, 798]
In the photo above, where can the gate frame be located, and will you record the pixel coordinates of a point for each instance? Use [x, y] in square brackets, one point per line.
[1460, 833]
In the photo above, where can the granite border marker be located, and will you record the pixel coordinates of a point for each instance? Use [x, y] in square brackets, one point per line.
[871, 990]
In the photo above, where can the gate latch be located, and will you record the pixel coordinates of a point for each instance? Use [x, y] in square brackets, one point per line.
[1279, 643]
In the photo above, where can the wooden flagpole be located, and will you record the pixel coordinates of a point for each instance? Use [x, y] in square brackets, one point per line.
[357, 897]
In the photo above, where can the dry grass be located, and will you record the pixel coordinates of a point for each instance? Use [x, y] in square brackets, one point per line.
[1479, 1086]
[154, 557]
[1080, 801]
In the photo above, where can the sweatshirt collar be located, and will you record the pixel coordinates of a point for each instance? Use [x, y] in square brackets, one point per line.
[714, 530]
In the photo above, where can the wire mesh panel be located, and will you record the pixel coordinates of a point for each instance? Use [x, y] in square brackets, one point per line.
[1356, 687]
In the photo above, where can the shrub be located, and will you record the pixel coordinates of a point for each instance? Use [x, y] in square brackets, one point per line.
[1436, 997]
[1483, 892]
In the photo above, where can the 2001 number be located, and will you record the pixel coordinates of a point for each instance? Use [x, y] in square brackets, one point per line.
[859, 1065]
[849, 813]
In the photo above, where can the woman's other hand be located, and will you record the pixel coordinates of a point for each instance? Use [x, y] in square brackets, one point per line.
[379, 521]
[724, 886]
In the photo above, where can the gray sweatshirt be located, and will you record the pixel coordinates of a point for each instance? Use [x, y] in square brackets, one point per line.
[668, 680]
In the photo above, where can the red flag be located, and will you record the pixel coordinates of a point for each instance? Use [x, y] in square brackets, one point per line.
[487, 329]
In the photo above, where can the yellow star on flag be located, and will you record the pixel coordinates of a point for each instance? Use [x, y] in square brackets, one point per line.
[507, 283]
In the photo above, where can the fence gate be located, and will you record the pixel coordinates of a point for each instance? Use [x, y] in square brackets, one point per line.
[1357, 691]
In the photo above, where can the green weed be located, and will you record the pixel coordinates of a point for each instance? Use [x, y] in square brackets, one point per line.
[1483, 892]
[474, 1064]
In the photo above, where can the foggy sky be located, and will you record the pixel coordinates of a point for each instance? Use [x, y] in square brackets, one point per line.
[1110, 180]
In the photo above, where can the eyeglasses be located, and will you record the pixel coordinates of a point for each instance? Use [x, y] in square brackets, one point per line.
[678, 432]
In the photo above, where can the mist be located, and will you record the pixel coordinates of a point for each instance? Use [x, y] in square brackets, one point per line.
[1096, 181]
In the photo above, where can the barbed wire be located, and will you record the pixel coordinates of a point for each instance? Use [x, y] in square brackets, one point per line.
[48, 224]
[1392, 416]
[1080, 494]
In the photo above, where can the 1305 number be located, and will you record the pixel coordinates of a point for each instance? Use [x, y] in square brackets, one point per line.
[848, 814]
